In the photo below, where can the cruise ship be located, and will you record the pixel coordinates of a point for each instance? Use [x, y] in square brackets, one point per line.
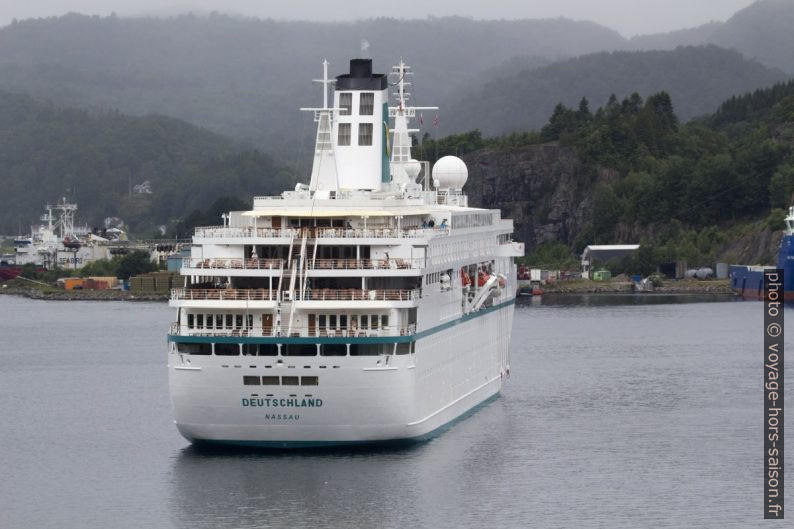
[370, 305]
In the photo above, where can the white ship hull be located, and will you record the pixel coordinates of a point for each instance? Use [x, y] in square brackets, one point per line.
[364, 307]
[454, 368]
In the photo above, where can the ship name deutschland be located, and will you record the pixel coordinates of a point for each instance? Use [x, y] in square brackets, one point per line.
[283, 403]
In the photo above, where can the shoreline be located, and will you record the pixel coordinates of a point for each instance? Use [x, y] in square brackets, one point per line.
[684, 286]
[716, 287]
[82, 295]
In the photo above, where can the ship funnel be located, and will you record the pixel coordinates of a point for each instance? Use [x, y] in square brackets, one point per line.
[361, 68]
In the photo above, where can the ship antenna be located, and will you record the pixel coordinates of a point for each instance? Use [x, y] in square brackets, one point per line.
[324, 174]
[325, 82]
[402, 174]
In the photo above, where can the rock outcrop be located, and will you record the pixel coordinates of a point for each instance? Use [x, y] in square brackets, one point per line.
[545, 189]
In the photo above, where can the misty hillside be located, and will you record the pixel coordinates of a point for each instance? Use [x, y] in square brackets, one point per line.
[246, 78]
[47, 152]
[761, 31]
[696, 36]
[698, 79]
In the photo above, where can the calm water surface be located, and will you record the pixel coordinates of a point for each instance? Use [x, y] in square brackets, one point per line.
[619, 413]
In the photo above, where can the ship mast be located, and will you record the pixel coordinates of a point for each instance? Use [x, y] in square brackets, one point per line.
[324, 179]
[404, 169]
[65, 218]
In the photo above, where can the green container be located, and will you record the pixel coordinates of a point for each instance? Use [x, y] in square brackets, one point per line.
[602, 275]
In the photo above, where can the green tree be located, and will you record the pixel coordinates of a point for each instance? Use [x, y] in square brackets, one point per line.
[135, 263]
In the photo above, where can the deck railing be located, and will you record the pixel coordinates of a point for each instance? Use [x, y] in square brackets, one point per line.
[364, 264]
[232, 264]
[318, 294]
[226, 231]
[224, 294]
[322, 233]
[297, 332]
[352, 294]
[313, 264]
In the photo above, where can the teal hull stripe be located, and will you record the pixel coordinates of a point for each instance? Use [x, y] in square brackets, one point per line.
[340, 340]
[329, 444]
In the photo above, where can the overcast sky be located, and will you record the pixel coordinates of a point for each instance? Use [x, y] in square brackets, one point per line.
[629, 17]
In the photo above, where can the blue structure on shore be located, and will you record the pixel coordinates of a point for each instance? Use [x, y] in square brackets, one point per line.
[748, 281]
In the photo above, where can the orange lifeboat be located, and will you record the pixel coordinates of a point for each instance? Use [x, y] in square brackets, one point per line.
[464, 278]
[482, 278]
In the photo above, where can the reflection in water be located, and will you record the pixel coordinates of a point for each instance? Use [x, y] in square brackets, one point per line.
[611, 300]
[397, 486]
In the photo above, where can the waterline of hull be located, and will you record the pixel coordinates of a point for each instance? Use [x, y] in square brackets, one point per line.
[351, 443]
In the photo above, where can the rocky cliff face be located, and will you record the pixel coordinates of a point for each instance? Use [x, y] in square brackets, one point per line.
[545, 189]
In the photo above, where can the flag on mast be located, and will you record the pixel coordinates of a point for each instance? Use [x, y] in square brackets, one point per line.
[421, 119]
[436, 120]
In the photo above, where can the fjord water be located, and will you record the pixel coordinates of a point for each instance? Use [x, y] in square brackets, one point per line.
[620, 412]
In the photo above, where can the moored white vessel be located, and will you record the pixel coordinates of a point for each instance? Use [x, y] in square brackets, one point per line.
[369, 305]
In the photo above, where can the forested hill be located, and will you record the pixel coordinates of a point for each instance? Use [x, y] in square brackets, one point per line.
[96, 159]
[246, 78]
[630, 172]
[698, 79]
[761, 31]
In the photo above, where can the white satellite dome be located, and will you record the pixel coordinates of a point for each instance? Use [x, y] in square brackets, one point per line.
[412, 169]
[450, 172]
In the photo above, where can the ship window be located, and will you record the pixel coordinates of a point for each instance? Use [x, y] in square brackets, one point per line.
[309, 381]
[270, 381]
[333, 349]
[227, 349]
[194, 348]
[250, 349]
[268, 349]
[289, 381]
[374, 320]
[250, 380]
[209, 321]
[219, 321]
[299, 349]
[250, 321]
[321, 321]
[366, 103]
[229, 320]
[403, 348]
[368, 349]
[384, 321]
[190, 321]
[332, 321]
[364, 321]
[199, 320]
[343, 321]
[343, 135]
[364, 133]
[345, 104]
[238, 321]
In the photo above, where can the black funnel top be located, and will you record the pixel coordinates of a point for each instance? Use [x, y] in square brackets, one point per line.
[361, 68]
[361, 77]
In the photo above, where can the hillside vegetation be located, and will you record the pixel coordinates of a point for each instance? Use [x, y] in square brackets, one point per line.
[96, 159]
[698, 78]
[688, 191]
[246, 78]
[760, 31]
